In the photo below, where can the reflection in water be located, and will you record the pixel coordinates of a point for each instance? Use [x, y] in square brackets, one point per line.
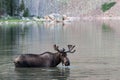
[97, 50]
[106, 28]
[42, 73]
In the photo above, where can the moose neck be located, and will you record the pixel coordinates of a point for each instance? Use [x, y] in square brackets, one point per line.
[57, 59]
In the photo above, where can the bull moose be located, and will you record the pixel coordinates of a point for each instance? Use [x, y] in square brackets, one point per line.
[46, 59]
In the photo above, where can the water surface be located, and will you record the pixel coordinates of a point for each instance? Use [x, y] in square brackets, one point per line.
[96, 57]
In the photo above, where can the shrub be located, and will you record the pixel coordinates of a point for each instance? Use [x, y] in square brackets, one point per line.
[107, 6]
[22, 6]
[26, 12]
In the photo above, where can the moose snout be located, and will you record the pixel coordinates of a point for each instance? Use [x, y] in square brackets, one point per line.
[67, 63]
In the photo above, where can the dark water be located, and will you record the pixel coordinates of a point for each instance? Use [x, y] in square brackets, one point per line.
[96, 57]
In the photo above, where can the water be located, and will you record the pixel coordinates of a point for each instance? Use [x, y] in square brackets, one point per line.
[96, 57]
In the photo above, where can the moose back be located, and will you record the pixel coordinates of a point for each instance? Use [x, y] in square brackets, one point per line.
[46, 59]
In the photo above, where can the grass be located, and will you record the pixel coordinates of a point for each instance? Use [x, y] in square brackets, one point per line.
[11, 20]
[107, 6]
[14, 21]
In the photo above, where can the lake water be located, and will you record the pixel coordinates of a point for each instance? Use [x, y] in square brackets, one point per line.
[97, 55]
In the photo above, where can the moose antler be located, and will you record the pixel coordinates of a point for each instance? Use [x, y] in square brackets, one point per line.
[71, 47]
[56, 48]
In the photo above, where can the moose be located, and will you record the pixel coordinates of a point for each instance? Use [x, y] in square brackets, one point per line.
[46, 59]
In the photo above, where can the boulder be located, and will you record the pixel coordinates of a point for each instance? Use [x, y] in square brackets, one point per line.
[55, 17]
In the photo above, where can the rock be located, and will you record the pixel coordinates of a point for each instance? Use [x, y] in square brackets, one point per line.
[47, 18]
[56, 17]
[23, 18]
[36, 19]
[65, 17]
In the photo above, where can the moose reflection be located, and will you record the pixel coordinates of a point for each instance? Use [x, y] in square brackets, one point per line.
[46, 59]
[57, 73]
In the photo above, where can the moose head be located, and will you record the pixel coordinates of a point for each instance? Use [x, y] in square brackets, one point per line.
[63, 54]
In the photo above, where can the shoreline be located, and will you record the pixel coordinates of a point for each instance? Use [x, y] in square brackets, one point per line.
[71, 19]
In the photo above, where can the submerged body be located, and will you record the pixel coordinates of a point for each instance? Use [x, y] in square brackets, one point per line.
[46, 59]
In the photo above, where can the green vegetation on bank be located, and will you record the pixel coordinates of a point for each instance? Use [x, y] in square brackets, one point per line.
[11, 20]
[13, 8]
[13, 11]
[20, 19]
[22, 6]
[23, 11]
[107, 6]
[26, 13]
[9, 7]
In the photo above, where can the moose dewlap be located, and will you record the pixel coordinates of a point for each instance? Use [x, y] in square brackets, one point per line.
[46, 59]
